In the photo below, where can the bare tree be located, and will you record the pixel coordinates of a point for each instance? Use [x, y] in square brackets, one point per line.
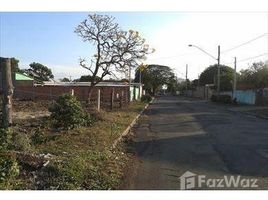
[116, 50]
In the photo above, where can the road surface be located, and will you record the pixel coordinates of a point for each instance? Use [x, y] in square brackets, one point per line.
[178, 134]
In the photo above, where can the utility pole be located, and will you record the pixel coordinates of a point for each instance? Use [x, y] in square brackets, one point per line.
[234, 86]
[218, 84]
[186, 75]
[140, 74]
[129, 81]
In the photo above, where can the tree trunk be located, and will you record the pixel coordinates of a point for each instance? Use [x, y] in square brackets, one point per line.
[7, 87]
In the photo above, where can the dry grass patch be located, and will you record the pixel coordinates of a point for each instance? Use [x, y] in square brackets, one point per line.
[82, 158]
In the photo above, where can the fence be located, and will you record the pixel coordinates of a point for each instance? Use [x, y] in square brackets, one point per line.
[251, 97]
[109, 96]
[203, 92]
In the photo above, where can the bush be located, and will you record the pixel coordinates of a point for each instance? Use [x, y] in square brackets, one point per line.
[146, 98]
[21, 142]
[68, 113]
[214, 98]
[9, 170]
[222, 99]
[38, 137]
[5, 138]
[225, 99]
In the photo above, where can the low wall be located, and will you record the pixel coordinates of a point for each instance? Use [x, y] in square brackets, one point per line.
[202, 92]
[81, 92]
[243, 96]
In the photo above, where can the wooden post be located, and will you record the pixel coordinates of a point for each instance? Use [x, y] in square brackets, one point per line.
[7, 88]
[72, 92]
[127, 96]
[121, 99]
[98, 106]
[112, 99]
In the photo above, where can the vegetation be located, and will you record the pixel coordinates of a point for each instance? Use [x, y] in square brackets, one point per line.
[209, 76]
[227, 99]
[9, 170]
[65, 79]
[80, 158]
[146, 98]
[68, 113]
[116, 49]
[154, 76]
[5, 138]
[39, 72]
[15, 65]
[86, 78]
[255, 77]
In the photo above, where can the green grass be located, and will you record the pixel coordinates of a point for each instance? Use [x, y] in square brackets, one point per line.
[83, 157]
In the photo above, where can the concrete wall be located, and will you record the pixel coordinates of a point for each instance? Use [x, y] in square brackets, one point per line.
[243, 96]
[202, 92]
[135, 92]
[51, 92]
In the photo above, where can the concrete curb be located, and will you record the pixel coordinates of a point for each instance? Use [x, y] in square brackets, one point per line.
[127, 130]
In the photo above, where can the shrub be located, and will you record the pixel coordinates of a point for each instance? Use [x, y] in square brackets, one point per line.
[214, 98]
[9, 170]
[225, 99]
[222, 99]
[5, 138]
[146, 98]
[38, 137]
[68, 113]
[21, 142]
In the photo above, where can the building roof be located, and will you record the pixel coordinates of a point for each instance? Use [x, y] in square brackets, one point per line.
[22, 77]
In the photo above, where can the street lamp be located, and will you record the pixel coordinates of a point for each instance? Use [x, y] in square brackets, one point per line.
[217, 59]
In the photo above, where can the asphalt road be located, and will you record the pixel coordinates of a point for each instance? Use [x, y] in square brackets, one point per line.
[178, 134]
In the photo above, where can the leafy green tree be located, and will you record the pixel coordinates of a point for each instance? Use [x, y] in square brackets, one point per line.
[65, 80]
[39, 72]
[209, 76]
[254, 77]
[15, 65]
[154, 76]
[86, 78]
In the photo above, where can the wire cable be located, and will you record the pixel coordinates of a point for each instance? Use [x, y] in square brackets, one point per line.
[250, 58]
[245, 43]
[245, 59]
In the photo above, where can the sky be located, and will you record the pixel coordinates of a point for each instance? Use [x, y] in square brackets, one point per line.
[49, 38]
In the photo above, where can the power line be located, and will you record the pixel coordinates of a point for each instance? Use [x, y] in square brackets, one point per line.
[253, 57]
[249, 58]
[158, 58]
[245, 43]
